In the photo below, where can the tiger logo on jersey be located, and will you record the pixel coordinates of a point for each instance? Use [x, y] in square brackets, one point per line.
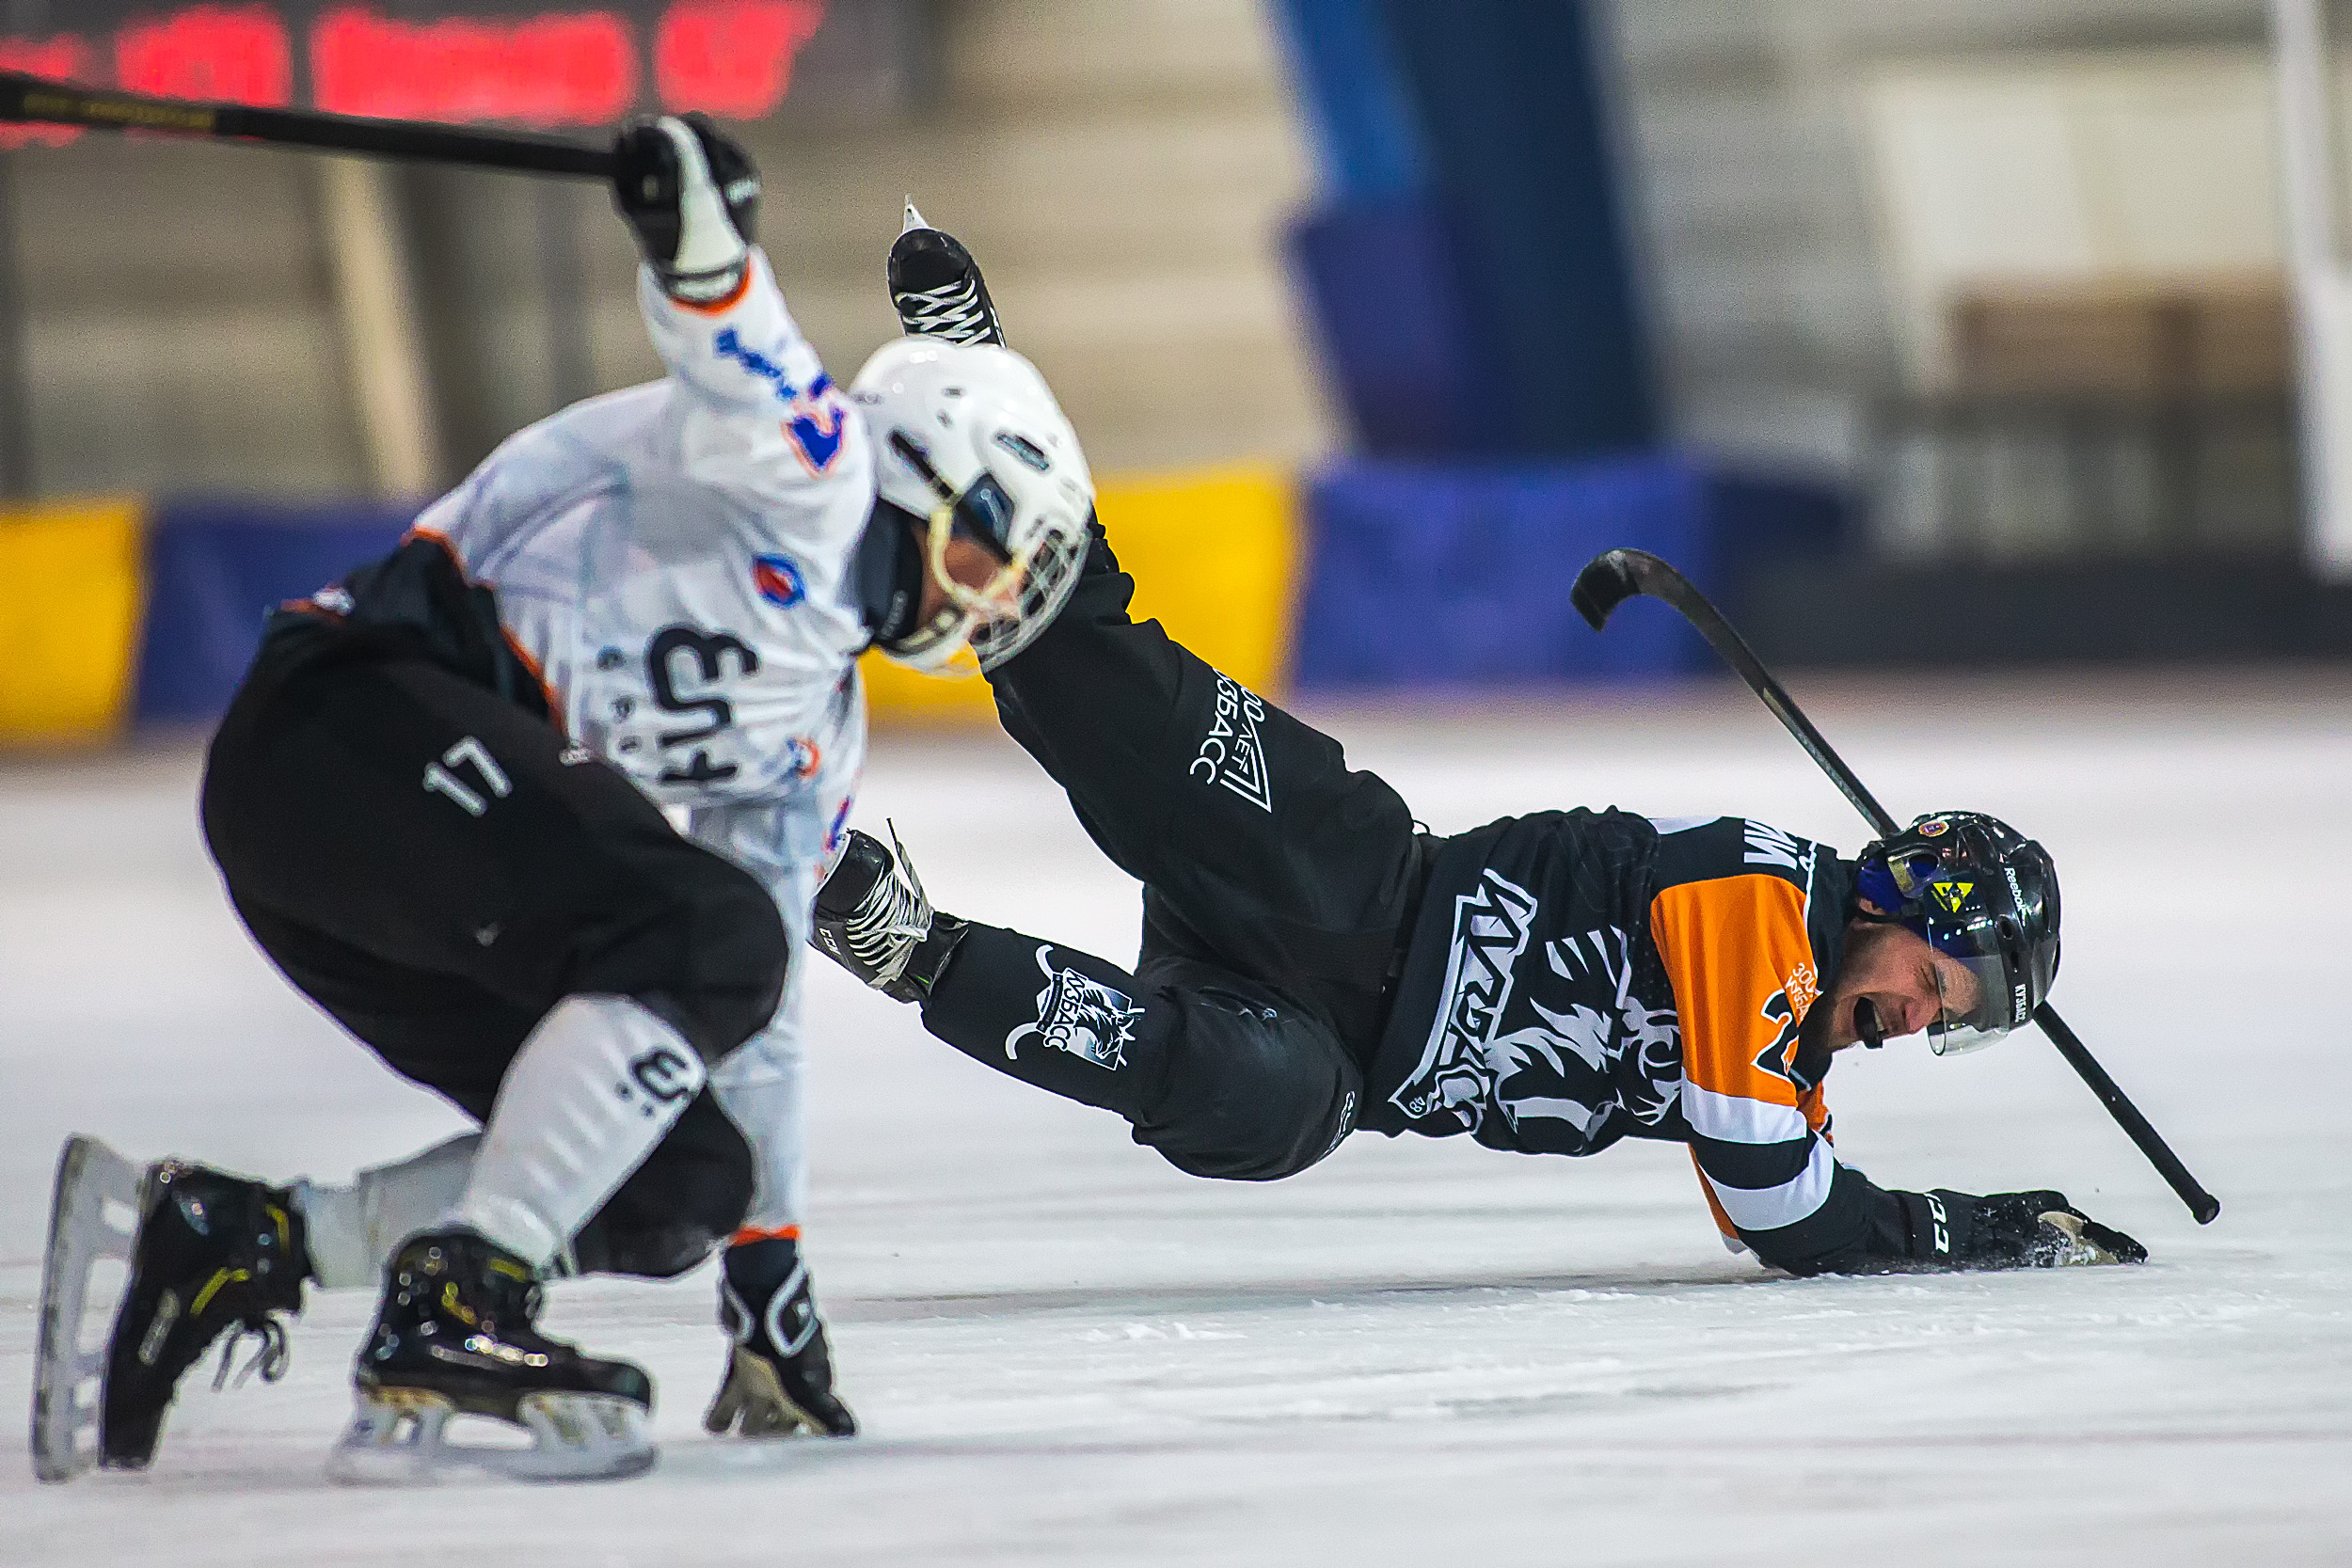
[1081, 1015]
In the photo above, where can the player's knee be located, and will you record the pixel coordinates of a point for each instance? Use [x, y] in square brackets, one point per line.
[737, 965]
[704, 946]
[1257, 1091]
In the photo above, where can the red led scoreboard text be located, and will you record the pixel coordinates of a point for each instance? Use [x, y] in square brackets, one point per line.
[551, 68]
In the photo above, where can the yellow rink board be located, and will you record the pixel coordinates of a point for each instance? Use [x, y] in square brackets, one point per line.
[1215, 557]
[70, 596]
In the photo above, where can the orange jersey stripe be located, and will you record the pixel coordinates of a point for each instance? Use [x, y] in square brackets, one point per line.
[717, 306]
[1741, 966]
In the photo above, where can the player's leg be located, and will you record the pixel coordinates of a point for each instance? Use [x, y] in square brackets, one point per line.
[454, 1036]
[778, 1377]
[1224, 1076]
[397, 810]
[688, 1196]
[1247, 824]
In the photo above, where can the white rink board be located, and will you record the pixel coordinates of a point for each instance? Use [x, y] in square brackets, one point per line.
[1065, 1352]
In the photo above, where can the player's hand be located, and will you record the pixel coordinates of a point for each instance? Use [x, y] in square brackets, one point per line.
[2040, 1229]
[779, 1377]
[692, 195]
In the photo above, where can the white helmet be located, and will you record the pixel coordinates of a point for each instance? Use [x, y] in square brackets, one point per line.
[968, 439]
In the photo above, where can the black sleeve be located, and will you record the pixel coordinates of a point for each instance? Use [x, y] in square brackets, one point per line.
[1859, 1228]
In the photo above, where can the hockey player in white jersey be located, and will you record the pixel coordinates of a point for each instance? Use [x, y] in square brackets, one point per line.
[438, 804]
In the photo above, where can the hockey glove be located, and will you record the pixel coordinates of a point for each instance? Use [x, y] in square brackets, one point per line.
[692, 195]
[779, 1378]
[2010, 1230]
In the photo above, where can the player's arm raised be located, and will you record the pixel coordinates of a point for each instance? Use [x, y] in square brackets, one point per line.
[760, 415]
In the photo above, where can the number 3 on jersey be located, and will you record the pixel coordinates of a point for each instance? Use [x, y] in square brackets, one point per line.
[684, 664]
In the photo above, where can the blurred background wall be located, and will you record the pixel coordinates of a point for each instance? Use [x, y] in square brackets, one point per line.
[1860, 308]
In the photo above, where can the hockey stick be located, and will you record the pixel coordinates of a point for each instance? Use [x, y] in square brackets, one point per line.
[1610, 579]
[26, 98]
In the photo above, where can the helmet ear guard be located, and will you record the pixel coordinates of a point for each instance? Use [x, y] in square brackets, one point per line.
[1984, 896]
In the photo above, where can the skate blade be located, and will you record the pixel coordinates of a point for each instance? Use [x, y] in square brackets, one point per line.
[93, 1218]
[399, 1437]
[753, 1402]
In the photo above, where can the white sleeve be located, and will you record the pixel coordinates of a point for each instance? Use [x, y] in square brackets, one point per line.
[760, 418]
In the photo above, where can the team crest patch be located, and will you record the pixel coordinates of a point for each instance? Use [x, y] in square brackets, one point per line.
[1231, 755]
[779, 580]
[1081, 1016]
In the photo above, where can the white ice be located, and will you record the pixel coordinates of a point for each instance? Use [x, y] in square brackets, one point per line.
[1065, 1352]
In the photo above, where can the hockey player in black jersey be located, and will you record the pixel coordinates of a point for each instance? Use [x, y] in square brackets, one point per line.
[1313, 964]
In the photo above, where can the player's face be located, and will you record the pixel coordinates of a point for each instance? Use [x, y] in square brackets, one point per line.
[972, 566]
[1905, 978]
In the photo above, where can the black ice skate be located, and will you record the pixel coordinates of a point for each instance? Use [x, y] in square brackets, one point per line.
[779, 1376]
[456, 1336]
[873, 921]
[210, 1252]
[937, 287]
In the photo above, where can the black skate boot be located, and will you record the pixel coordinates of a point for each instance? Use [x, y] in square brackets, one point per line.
[456, 1336]
[938, 289]
[215, 1252]
[779, 1376]
[873, 921]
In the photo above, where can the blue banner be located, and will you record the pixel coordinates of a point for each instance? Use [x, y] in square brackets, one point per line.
[214, 569]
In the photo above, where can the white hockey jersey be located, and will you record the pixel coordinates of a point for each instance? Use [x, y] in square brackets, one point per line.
[676, 560]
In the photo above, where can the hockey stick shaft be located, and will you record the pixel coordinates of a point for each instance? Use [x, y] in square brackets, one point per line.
[1610, 579]
[30, 99]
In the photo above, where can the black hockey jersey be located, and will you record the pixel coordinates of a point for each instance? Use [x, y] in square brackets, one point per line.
[1578, 977]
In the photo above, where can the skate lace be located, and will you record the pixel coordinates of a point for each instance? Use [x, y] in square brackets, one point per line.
[269, 1361]
[893, 920]
[952, 311]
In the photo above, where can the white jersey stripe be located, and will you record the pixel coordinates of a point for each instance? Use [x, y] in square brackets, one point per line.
[1736, 1120]
[1770, 1208]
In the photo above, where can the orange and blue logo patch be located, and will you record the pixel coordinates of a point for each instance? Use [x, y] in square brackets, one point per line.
[778, 580]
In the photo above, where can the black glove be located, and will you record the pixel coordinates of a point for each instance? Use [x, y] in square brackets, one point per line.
[692, 195]
[2010, 1230]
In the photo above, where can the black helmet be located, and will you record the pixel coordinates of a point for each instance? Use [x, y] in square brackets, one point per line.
[1980, 891]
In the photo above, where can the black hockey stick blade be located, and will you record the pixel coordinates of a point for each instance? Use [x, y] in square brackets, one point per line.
[30, 99]
[1606, 582]
[1609, 579]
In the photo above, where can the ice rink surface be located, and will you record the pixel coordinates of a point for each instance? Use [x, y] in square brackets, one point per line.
[1419, 1352]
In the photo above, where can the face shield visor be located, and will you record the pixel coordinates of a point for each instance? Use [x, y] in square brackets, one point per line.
[1037, 566]
[1981, 982]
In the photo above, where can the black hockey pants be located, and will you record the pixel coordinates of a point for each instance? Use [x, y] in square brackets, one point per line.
[1277, 886]
[434, 867]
